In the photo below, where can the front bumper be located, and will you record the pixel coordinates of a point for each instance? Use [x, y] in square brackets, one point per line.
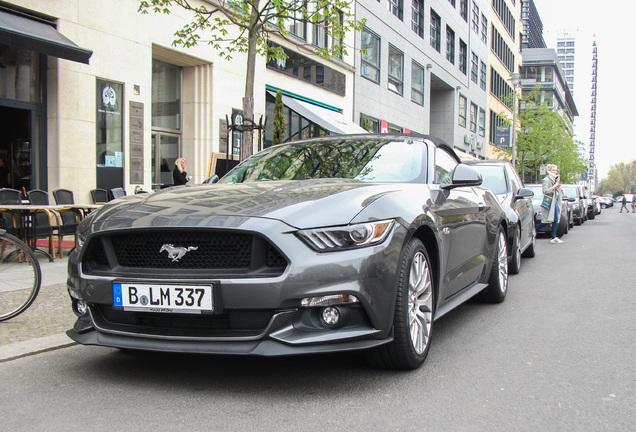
[258, 316]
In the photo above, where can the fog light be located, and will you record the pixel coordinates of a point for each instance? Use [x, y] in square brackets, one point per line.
[330, 316]
[81, 308]
[328, 300]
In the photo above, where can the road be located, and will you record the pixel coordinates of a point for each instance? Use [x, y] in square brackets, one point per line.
[557, 355]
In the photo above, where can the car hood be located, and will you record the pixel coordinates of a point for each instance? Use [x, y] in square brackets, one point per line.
[299, 204]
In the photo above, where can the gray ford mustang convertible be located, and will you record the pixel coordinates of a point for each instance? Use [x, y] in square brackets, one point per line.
[338, 243]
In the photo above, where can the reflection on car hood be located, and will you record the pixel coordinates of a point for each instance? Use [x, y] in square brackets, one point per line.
[300, 204]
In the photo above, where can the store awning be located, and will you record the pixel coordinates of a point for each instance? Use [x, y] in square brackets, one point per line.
[30, 34]
[331, 120]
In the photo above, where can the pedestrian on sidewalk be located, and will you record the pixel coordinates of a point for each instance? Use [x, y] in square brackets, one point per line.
[634, 203]
[179, 175]
[552, 189]
[623, 205]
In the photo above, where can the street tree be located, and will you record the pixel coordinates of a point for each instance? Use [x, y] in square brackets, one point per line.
[279, 120]
[214, 22]
[620, 179]
[543, 137]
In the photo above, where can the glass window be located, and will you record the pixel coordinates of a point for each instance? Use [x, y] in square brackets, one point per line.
[444, 166]
[450, 45]
[396, 70]
[166, 95]
[20, 72]
[482, 122]
[484, 28]
[463, 9]
[110, 129]
[369, 124]
[320, 34]
[473, 117]
[462, 111]
[436, 31]
[395, 6]
[474, 70]
[475, 20]
[417, 17]
[371, 59]
[482, 75]
[463, 57]
[417, 83]
[295, 23]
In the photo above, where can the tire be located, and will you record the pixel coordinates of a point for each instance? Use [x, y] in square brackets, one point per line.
[414, 305]
[515, 261]
[592, 215]
[20, 277]
[498, 281]
[531, 250]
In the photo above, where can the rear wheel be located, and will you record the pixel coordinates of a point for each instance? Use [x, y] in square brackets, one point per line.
[413, 318]
[498, 282]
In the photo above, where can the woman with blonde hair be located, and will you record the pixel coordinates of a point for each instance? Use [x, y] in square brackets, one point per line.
[550, 212]
[179, 174]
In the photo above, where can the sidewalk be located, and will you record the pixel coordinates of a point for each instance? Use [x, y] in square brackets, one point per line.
[42, 327]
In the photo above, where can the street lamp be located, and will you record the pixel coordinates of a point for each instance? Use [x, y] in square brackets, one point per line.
[514, 79]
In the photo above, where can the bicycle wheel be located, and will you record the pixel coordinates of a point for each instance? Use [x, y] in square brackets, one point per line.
[20, 276]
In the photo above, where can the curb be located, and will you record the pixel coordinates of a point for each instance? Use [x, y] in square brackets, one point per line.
[34, 346]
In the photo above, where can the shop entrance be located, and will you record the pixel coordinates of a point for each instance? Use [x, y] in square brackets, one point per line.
[15, 148]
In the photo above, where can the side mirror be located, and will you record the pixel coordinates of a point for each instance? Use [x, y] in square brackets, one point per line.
[213, 179]
[464, 175]
[524, 193]
[571, 199]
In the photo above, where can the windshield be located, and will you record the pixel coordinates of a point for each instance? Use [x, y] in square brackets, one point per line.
[570, 192]
[367, 159]
[494, 178]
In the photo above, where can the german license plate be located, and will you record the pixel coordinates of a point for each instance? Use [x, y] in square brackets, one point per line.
[163, 298]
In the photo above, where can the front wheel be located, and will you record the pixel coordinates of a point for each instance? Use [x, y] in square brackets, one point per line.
[20, 276]
[413, 317]
[498, 281]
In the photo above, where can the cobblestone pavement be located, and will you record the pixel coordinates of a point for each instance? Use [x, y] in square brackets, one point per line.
[46, 319]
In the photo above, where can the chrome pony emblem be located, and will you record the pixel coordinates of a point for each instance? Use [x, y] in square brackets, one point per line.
[176, 253]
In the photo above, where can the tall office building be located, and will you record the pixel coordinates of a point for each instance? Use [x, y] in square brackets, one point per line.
[532, 36]
[566, 51]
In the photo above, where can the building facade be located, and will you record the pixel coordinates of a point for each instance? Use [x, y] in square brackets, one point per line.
[423, 69]
[566, 51]
[541, 69]
[504, 59]
[532, 36]
[110, 102]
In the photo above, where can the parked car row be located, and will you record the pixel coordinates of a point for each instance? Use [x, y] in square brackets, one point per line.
[338, 243]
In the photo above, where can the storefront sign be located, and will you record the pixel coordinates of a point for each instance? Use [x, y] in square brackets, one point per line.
[136, 143]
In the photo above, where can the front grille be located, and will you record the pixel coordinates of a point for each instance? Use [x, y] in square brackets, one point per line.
[216, 252]
[235, 323]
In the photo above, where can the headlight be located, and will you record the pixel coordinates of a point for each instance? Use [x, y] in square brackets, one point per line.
[346, 237]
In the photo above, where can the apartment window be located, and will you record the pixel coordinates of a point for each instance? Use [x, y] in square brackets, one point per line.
[371, 59]
[450, 45]
[474, 69]
[482, 122]
[463, 9]
[396, 70]
[436, 31]
[462, 111]
[320, 34]
[484, 29]
[473, 117]
[296, 25]
[482, 75]
[463, 57]
[417, 17]
[395, 6]
[369, 124]
[417, 83]
[475, 21]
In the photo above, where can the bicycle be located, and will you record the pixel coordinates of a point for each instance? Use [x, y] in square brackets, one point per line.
[20, 276]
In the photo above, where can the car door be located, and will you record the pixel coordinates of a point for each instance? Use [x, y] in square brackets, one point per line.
[523, 207]
[463, 227]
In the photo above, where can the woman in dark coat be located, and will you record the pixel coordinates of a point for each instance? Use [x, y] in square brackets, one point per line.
[179, 175]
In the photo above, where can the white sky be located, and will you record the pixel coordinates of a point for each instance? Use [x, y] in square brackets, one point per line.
[608, 23]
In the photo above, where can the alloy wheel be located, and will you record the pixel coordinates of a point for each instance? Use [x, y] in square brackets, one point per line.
[420, 302]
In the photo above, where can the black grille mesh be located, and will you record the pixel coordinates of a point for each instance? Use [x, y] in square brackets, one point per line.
[220, 250]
